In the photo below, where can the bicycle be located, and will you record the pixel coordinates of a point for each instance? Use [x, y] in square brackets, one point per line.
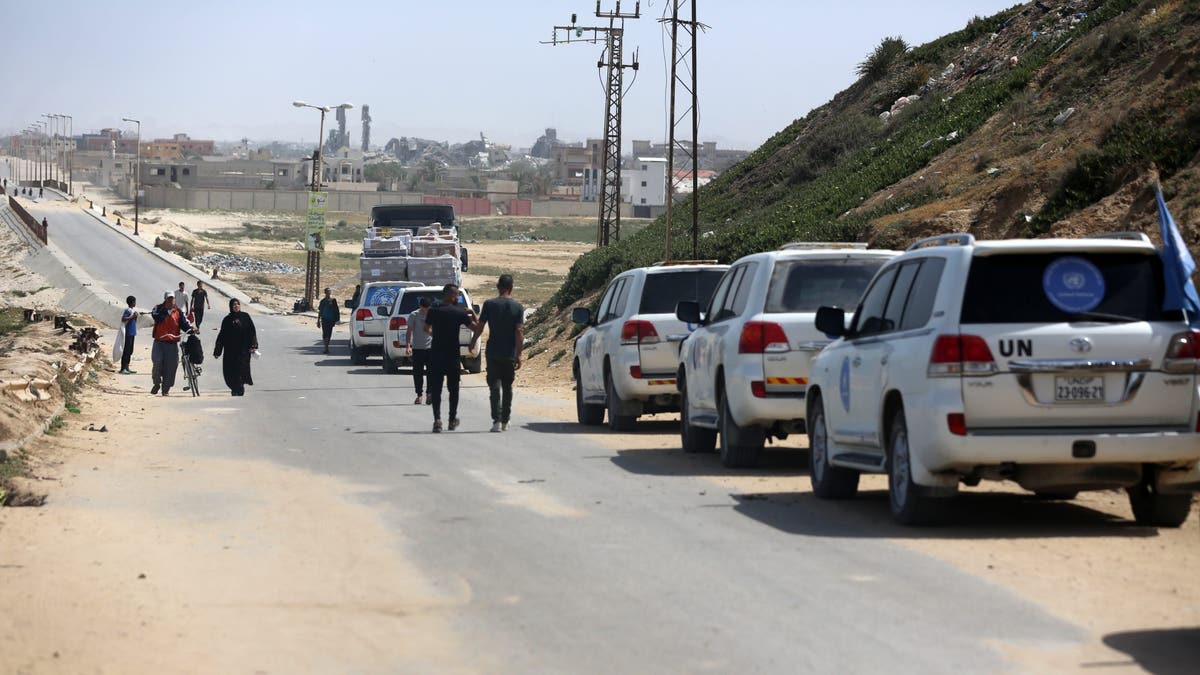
[191, 371]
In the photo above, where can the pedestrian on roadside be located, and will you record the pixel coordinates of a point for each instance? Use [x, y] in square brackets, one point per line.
[169, 326]
[45, 228]
[505, 318]
[416, 344]
[41, 192]
[442, 323]
[237, 339]
[328, 316]
[200, 303]
[181, 299]
[129, 320]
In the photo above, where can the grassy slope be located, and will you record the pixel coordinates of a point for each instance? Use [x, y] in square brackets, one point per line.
[811, 180]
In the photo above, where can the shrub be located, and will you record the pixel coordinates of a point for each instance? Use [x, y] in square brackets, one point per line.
[882, 58]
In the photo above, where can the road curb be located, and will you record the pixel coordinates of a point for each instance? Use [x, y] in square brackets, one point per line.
[223, 287]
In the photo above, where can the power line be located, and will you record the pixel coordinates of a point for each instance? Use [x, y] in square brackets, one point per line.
[681, 54]
[612, 59]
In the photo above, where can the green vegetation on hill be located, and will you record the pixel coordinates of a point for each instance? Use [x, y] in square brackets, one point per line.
[804, 181]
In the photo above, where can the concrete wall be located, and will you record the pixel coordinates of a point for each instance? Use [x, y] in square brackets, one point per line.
[205, 199]
[211, 199]
[567, 209]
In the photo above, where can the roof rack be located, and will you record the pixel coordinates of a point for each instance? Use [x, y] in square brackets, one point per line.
[668, 263]
[1130, 236]
[958, 239]
[822, 244]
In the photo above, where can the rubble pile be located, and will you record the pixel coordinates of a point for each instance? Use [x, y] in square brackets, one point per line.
[240, 263]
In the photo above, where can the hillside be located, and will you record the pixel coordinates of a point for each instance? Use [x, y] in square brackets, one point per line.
[1047, 119]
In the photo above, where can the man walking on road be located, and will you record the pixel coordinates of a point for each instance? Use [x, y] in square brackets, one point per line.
[169, 325]
[505, 318]
[328, 316]
[417, 343]
[442, 322]
[199, 303]
[129, 321]
[181, 299]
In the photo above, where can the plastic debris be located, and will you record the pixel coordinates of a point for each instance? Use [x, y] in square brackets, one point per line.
[1063, 116]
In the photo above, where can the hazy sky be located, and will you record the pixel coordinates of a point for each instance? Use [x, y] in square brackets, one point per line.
[224, 69]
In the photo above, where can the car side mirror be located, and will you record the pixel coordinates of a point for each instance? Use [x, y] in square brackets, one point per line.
[831, 321]
[475, 308]
[349, 304]
[383, 310]
[582, 316]
[688, 311]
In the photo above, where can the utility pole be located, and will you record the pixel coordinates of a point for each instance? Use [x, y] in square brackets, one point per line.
[682, 54]
[613, 36]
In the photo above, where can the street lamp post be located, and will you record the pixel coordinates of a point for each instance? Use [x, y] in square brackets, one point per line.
[312, 275]
[71, 156]
[41, 153]
[137, 190]
[53, 131]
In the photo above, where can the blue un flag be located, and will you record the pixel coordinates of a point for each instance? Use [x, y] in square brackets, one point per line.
[1178, 267]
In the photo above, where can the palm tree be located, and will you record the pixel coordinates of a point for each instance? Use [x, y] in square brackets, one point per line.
[524, 173]
[432, 170]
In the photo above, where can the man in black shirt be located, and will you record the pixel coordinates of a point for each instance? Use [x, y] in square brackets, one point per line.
[200, 303]
[506, 320]
[443, 322]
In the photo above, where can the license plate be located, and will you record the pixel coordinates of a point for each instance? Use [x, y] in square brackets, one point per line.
[1079, 389]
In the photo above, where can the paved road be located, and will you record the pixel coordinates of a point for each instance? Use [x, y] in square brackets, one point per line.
[576, 558]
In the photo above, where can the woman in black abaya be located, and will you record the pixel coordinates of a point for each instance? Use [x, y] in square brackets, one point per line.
[237, 339]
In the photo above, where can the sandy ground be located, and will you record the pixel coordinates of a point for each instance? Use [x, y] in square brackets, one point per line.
[250, 567]
[269, 536]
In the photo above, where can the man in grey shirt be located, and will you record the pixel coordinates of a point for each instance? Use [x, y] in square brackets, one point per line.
[417, 344]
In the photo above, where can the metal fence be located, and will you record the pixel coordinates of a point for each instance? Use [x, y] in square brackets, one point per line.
[34, 226]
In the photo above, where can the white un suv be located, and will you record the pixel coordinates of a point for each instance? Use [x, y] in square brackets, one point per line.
[395, 336]
[743, 373]
[1048, 362]
[625, 361]
[370, 318]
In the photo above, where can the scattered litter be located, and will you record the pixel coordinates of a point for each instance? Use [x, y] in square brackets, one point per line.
[1063, 116]
[993, 171]
[240, 263]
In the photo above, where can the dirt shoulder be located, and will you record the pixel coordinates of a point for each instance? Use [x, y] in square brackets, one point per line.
[260, 568]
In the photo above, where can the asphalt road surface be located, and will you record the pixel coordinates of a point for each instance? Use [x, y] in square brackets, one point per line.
[581, 559]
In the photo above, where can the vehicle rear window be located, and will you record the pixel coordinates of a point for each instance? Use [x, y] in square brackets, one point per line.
[412, 217]
[380, 295]
[663, 291]
[1063, 286]
[808, 285]
[410, 300]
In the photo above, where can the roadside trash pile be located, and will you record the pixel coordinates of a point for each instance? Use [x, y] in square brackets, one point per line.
[240, 263]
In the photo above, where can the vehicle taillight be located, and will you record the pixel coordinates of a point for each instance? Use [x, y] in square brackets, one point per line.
[762, 336]
[957, 422]
[638, 331]
[362, 315]
[635, 372]
[397, 323]
[1183, 352]
[955, 355]
[758, 388]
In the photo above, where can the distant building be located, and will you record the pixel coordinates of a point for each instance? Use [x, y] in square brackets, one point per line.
[709, 156]
[224, 172]
[644, 181]
[177, 147]
[575, 164]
